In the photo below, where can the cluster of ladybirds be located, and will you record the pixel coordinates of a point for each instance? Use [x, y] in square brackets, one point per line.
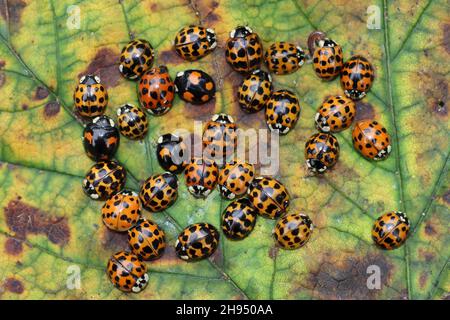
[235, 180]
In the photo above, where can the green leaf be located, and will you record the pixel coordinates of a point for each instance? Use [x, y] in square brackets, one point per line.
[47, 224]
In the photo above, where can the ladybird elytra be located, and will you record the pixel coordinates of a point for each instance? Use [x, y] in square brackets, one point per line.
[121, 211]
[90, 96]
[159, 192]
[371, 139]
[194, 42]
[197, 241]
[335, 114]
[321, 152]
[293, 230]
[136, 58]
[269, 197]
[357, 77]
[284, 57]
[238, 219]
[104, 179]
[195, 86]
[391, 230]
[127, 272]
[132, 121]
[244, 51]
[101, 138]
[147, 240]
[156, 91]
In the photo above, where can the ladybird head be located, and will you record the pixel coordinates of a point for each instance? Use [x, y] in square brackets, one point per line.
[278, 128]
[168, 138]
[226, 193]
[181, 250]
[355, 94]
[140, 284]
[104, 121]
[262, 75]
[130, 193]
[241, 32]
[307, 220]
[383, 153]
[301, 56]
[402, 217]
[321, 123]
[316, 166]
[125, 108]
[211, 37]
[222, 118]
[171, 179]
[89, 79]
[199, 191]
[328, 43]
[163, 69]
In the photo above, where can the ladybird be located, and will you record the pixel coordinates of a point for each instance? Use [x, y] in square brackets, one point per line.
[90, 97]
[136, 58]
[201, 176]
[132, 121]
[282, 111]
[127, 272]
[235, 178]
[159, 192]
[147, 240]
[171, 153]
[357, 77]
[101, 138]
[238, 219]
[321, 152]
[335, 114]
[255, 91]
[194, 42]
[327, 59]
[195, 86]
[197, 241]
[391, 230]
[220, 138]
[371, 139]
[121, 211]
[104, 179]
[284, 57]
[269, 197]
[244, 51]
[156, 91]
[293, 230]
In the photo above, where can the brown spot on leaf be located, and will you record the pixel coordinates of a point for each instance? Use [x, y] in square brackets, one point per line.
[25, 106]
[273, 252]
[13, 285]
[51, 109]
[169, 57]
[2, 64]
[446, 197]
[435, 89]
[2, 79]
[114, 241]
[23, 219]
[206, 9]
[347, 277]
[13, 246]
[446, 40]
[423, 279]
[41, 93]
[105, 65]
[11, 11]
[364, 111]
[429, 229]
